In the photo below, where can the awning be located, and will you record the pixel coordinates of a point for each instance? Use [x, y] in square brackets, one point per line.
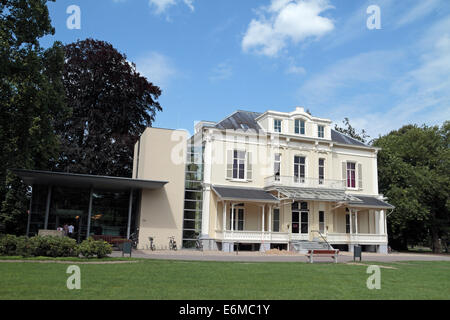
[244, 194]
[370, 202]
[33, 177]
[315, 194]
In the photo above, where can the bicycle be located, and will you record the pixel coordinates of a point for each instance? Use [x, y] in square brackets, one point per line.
[134, 240]
[198, 244]
[172, 243]
[152, 245]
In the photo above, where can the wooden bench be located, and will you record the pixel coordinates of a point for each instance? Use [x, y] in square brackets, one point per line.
[322, 253]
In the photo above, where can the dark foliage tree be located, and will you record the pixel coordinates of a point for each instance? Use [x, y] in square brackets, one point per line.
[31, 98]
[414, 173]
[351, 131]
[111, 105]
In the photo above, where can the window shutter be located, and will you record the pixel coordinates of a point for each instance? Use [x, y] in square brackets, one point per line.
[344, 173]
[229, 169]
[249, 166]
[360, 177]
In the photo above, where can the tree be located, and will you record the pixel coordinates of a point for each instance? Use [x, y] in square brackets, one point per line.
[351, 132]
[111, 105]
[414, 174]
[31, 98]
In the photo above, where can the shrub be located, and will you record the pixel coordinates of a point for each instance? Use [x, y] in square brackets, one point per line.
[90, 248]
[8, 245]
[50, 246]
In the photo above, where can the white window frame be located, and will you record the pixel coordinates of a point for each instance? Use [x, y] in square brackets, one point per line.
[306, 169]
[275, 161]
[237, 170]
[279, 219]
[300, 121]
[236, 218]
[321, 131]
[322, 180]
[356, 175]
[275, 126]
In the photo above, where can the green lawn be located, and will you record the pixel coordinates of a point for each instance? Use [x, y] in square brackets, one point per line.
[155, 279]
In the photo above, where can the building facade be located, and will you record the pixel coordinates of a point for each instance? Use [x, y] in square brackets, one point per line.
[277, 180]
[252, 181]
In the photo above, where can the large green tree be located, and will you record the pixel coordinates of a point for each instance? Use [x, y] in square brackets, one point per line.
[414, 173]
[111, 105]
[31, 98]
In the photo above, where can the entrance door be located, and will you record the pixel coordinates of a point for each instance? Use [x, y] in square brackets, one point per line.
[238, 219]
[300, 220]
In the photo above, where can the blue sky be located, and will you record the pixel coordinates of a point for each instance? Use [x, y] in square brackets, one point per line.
[212, 57]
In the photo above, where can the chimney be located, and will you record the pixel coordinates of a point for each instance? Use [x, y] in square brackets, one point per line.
[299, 109]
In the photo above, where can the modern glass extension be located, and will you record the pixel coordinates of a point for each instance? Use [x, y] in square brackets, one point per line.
[193, 196]
[93, 205]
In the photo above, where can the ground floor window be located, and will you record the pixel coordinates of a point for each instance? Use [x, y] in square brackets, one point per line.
[321, 221]
[300, 219]
[238, 219]
[276, 220]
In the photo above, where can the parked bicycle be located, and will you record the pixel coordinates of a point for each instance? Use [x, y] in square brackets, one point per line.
[152, 245]
[172, 243]
[198, 243]
[134, 240]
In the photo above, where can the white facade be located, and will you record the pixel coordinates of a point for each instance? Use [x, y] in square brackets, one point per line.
[301, 162]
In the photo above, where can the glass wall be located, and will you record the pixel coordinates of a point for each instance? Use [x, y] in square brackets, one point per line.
[110, 213]
[193, 196]
[70, 206]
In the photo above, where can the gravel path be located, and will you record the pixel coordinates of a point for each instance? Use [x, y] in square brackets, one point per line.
[344, 257]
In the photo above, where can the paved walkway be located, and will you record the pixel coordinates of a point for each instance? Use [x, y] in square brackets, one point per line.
[282, 257]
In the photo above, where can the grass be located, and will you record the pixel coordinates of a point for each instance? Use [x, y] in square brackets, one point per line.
[184, 280]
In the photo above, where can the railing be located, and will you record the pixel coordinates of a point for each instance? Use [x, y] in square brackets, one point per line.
[248, 236]
[293, 181]
[323, 238]
[360, 237]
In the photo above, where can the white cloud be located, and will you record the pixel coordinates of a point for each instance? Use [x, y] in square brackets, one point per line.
[162, 5]
[284, 21]
[157, 68]
[420, 10]
[222, 71]
[382, 90]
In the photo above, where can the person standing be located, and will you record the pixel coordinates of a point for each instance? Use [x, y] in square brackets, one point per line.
[70, 229]
[66, 229]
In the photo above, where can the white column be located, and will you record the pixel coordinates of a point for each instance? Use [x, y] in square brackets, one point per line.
[351, 221]
[377, 222]
[207, 181]
[224, 221]
[356, 221]
[381, 222]
[270, 218]
[385, 222]
[205, 211]
[263, 218]
[232, 217]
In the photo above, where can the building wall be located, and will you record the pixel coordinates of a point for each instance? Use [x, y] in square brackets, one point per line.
[162, 157]
[263, 161]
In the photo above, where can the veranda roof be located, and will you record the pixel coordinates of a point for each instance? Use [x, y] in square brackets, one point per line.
[244, 194]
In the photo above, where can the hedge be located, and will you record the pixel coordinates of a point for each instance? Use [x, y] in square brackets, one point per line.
[49, 246]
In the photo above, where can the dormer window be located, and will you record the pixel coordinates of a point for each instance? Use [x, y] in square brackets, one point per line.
[299, 126]
[277, 125]
[321, 132]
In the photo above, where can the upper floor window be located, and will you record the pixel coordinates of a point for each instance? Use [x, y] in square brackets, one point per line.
[239, 164]
[299, 126]
[351, 175]
[321, 170]
[277, 166]
[299, 169]
[277, 125]
[321, 132]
